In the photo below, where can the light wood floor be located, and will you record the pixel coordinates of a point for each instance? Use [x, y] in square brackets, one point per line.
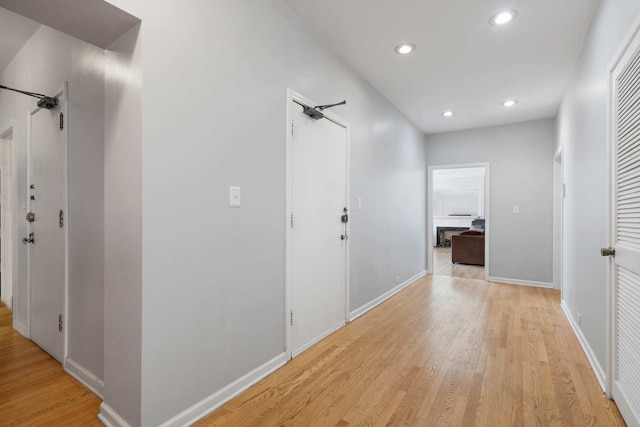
[442, 266]
[443, 352]
[34, 389]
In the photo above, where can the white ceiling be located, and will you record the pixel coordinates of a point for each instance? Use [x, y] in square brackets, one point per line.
[461, 62]
[15, 31]
[94, 21]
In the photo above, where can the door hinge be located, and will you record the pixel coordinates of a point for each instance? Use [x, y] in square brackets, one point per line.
[293, 128]
[291, 218]
[291, 314]
[61, 121]
[60, 322]
[61, 218]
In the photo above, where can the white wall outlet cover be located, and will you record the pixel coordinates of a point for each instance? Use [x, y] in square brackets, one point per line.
[359, 203]
[234, 197]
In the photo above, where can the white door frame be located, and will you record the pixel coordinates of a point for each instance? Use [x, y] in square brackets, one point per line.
[6, 129]
[558, 218]
[61, 90]
[487, 209]
[293, 96]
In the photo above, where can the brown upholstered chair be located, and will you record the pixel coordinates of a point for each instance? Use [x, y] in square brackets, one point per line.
[468, 248]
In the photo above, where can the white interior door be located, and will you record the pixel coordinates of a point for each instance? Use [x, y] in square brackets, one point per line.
[626, 236]
[318, 243]
[47, 250]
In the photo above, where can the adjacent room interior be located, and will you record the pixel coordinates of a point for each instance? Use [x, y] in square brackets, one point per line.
[458, 218]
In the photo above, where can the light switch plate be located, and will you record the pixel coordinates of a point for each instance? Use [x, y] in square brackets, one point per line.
[359, 204]
[234, 197]
[516, 209]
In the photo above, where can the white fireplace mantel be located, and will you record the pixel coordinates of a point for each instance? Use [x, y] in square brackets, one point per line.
[450, 221]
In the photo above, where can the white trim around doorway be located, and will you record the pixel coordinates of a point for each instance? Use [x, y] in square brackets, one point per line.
[487, 212]
[5, 130]
[558, 218]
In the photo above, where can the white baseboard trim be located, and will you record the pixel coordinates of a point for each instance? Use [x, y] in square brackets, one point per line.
[382, 298]
[521, 282]
[317, 339]
[20, 328]
[110, 418]
[588, 351]
[80, 373]
[213, 402]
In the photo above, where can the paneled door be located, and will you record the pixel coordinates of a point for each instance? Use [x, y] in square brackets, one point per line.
[318, 237]
[46, 217]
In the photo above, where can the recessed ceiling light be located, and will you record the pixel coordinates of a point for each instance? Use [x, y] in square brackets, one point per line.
[509, 103]
[405, 48]
[448, 113]
[503, 17]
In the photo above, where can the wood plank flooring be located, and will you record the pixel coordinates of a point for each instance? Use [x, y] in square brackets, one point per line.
[442, 266]
[34, 389]
[443, 352]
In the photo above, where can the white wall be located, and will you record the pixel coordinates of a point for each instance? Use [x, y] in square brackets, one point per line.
[123, 228]
[215, 75]
[48, 59]
[521, 160]
[582, 132]
[458, 191]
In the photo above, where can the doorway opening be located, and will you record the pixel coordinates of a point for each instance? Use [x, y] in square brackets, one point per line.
[7, 226]
[458, 221]
[558, 203]
[317, 227]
